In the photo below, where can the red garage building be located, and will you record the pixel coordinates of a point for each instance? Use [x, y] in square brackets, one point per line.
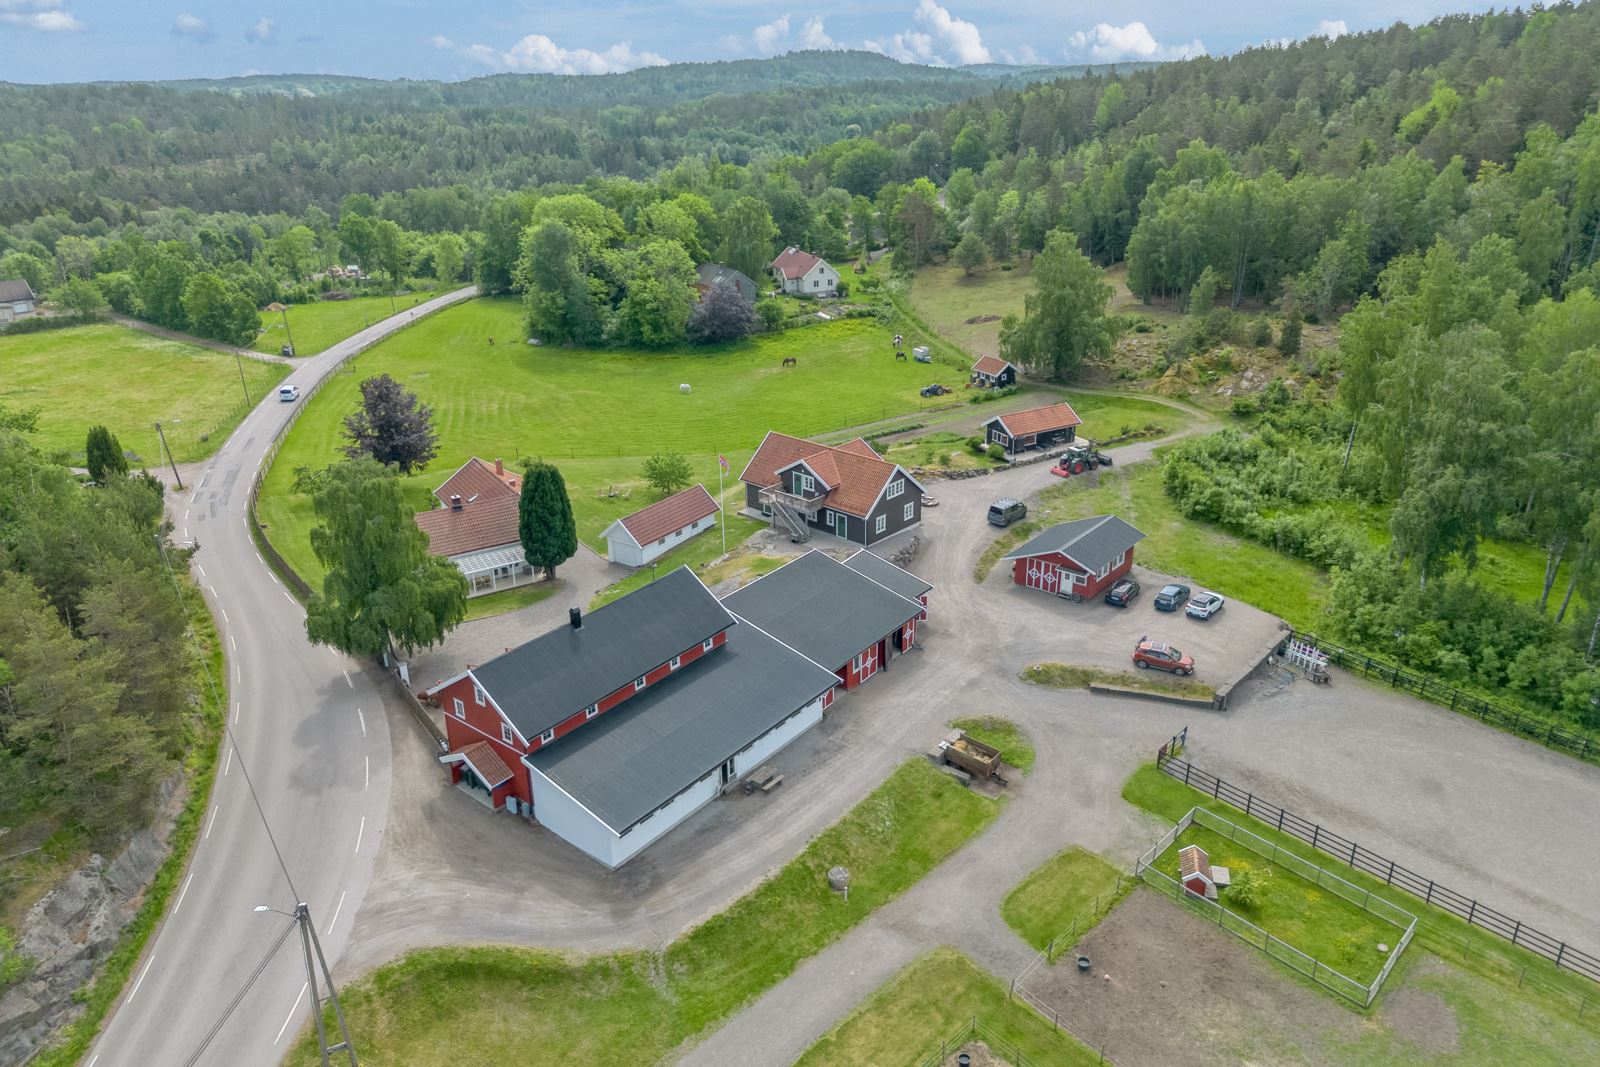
[1078, 558]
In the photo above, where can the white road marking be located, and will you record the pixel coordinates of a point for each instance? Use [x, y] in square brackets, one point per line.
[274, 577]
[360, 832]
[201, 569]
[335, 915]
[213, 591]
[287, 597]
[181, 893]
[367, 784]
[347, 680]
[260, 560]
[238, 674]
[226, 767]
[142, 973]
[185, 514]
[237, 707]
[186, 536]
[292, 1010]
[224, 615]
[360, 715]
[334, 652]
[213, 820]
[232, 642]
[95, 1060]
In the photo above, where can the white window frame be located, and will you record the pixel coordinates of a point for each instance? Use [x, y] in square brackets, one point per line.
[1121, 558]
[911, 511]
[674, 663]
[881, 525]
[639, 683]
[708, 644]
[460, 708]
[855, 664]
[590, 712]
[662, 541]
[896, 487]
[807, 483]
[505, 733]
[477, 695]
[548, 736]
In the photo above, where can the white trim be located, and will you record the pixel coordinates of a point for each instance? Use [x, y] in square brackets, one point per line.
[801, 462]
[547, 737]
[616, 524]
[460, 756]
[674, 663]
[544, 777]
[639, 683]
[911, 511]
[708, 644]
[452, 680]
[590, 712]
[885, 486]
[458, 708]
[505, 733]
[881, 524]
[756, 453]
[485, 736]
[478, 694]
[894, 488]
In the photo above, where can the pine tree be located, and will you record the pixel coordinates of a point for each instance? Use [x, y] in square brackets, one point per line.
[549, 533]
[103, 456]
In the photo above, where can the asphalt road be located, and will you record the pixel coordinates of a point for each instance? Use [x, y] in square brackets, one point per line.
[309, 730]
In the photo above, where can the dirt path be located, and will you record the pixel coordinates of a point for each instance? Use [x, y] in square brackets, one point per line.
[201, 342]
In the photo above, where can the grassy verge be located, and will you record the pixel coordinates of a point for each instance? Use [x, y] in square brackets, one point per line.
[1007, 736]
[508, 600]
[1528, 984]
[128, 380]
[1073, 885]
[200, 767]
[700, 553]
[1069, 676]
[904, 1020]
[486, 1005]
[318, 326]
[1013, 536]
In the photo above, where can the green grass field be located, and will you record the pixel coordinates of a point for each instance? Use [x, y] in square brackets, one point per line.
[491, 1005]
[946, 298]
[596, 415]
[699, 554]
[314, 327]
[903, 1022]
[491, 604]
[128, 381]
[1062, 889]
[1508, 1005]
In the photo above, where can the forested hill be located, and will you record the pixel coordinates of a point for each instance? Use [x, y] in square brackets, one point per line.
[281, 143]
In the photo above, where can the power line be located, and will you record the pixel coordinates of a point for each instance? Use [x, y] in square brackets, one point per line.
[238, 998]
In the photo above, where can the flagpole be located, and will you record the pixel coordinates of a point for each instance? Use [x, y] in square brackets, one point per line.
[724, 522]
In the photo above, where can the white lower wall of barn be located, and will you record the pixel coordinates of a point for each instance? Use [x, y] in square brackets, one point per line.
[764, 746]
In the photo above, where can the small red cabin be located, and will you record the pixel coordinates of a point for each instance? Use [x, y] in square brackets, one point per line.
[1078, 558]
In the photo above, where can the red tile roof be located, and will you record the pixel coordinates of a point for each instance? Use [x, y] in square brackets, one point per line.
[670, 515]
[477, 479]
[854, 473]
[482, 524]
[990, 365]
[486, 763]
[795, 263]
[1038, 420]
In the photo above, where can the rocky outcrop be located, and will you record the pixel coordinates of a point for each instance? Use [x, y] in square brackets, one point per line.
[69, 933]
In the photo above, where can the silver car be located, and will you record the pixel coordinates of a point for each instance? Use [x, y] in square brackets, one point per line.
[1203, 605]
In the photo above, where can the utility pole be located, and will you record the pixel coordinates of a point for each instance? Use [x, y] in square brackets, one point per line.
[315, 965]
[168, 451]
[237, 362]
[284, 311]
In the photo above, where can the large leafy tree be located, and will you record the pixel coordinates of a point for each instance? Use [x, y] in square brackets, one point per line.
[748, 233]
[560, 302]
[213, 308]
[667, 472]
[654, 311]
[392, 426]
[103, 456]
[1064, 319]
[722, 315]
[545, 524]
[382, 588]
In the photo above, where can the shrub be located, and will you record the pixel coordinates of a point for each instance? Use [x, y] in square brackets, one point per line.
[1250, 886]
[1261, 333]
[771, 314]
[978, 445]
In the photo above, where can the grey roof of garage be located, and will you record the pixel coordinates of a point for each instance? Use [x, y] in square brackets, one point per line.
[632, 760]
[560, 673]
[1094, 542]
[821, 608]
[887, 574]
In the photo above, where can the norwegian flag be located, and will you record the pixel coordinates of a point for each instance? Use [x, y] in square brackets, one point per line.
[722, 461]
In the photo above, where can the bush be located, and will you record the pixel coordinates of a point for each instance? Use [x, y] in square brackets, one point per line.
[771, 314]
[978, 445]
[1250, 886]
[1261, 333]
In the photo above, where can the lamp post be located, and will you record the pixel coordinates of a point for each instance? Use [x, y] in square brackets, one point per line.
[162, 434]
[311, 947]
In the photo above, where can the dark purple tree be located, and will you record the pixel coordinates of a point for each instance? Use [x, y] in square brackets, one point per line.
[391, 427]
[721, 315]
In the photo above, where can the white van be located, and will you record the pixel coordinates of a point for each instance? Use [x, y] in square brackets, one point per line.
[288, 394]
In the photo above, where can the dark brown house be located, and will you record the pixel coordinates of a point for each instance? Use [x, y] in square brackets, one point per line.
[849, 491]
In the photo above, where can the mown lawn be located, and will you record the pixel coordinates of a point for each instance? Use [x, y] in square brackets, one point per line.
[903, 1022]
[128, 380]
[1064, 888]
[1015, 747]
[491, 1005]
[491, 604]
[596, 415]
[315, 327]
[946, 298]
[700, 554]
[1507, 1004]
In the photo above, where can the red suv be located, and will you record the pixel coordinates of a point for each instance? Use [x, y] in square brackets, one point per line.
[1162, 657]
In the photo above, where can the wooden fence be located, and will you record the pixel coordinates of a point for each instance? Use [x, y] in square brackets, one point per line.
[1378, 866]
[1521, 723]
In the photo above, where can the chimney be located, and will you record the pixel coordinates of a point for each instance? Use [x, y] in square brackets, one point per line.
[499, 469]
[455, 503]
[575, 616]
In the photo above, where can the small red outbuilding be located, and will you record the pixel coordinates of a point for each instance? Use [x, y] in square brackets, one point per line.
[1078, 558]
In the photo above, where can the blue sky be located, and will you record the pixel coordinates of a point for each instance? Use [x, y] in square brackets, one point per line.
[80, 40]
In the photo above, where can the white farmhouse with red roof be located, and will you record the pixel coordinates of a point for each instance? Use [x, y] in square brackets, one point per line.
[636, 539]
[476, 526]
[803, 274]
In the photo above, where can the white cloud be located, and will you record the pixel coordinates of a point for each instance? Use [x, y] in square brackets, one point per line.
[193, 27]
[945, 35]
[1023, 56]
[262, 31]
[538, 54]
[1109, 44]
[46, 16]
[1332, 29]
[814, 35]
[771, 38]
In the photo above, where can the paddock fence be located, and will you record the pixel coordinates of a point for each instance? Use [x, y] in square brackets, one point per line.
[1520, 723]
[1475, 913]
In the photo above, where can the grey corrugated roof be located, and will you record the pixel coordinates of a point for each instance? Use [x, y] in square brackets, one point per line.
[564, 671]
[717, 274]
[1093, 542]
[885, 573]
[18, 290]
[630, 761]
[821, 608]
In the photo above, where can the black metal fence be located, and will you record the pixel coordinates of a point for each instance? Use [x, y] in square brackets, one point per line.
[1517, 722]
[975, 1030]
[1369, 862]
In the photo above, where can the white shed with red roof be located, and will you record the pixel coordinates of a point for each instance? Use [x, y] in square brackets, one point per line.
[634, 540]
